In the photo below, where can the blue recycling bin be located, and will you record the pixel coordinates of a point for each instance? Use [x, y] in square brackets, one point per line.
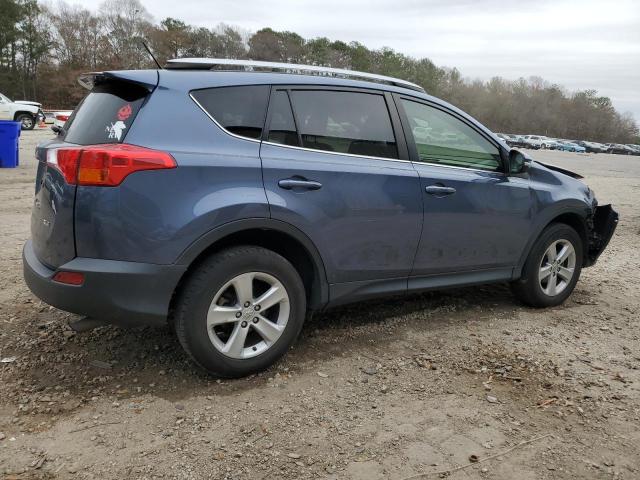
[9, 135]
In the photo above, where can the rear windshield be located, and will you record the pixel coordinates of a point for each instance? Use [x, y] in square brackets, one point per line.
[105, 115]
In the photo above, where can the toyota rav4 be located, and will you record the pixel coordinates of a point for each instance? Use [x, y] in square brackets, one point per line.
[231, 203]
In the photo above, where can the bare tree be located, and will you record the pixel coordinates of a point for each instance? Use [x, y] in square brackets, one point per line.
[126, 23]
[60, 42]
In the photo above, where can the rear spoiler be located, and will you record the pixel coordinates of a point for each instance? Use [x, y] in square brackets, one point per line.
[146, 78]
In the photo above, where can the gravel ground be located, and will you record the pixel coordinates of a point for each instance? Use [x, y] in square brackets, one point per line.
[461, 384]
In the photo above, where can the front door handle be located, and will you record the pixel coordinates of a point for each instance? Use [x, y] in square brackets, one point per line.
[440, 190]
[291, 183]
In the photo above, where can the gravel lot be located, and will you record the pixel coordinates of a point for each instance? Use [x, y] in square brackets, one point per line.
[387, 389]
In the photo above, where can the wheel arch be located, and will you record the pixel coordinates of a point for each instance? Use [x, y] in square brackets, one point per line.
[575, 218]
[22, 112]
[281, 237]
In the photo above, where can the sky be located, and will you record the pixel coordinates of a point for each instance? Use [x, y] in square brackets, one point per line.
[579, 44]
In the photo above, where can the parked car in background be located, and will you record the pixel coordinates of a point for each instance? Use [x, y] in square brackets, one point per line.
[23, 111]
[61, 117]
[532, 141]
[603, 147]
[619, 149]
[508, 138]
[549, 143]
[562, 146]
[634, 148]
[518, 141]
[277, 194]
[49, 117]
[570, 146]
[591, 147]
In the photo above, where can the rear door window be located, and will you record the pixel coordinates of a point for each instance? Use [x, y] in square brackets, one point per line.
[344, 122]
[282, 128]
[239, 110]
[106, 114]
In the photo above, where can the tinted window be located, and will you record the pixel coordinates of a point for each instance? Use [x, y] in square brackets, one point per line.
[239, 110]
[345, 122]
[106, 114]
[442, 138]
[282, 128]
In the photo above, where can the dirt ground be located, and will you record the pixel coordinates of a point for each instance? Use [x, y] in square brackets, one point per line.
[377, 390]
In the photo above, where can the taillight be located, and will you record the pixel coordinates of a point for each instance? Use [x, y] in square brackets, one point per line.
[106, 165]
[62, 118]
[66, 161]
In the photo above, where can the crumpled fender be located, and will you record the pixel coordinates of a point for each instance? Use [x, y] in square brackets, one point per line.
[561, 170]
[601, 226]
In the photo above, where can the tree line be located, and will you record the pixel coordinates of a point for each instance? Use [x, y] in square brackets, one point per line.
[44, 48]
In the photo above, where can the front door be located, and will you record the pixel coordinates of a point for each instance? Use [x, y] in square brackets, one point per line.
[476, 218]
[334, 169]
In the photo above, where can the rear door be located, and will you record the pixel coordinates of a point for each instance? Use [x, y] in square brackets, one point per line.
[336, 167]
[104, 116]
[475, 216]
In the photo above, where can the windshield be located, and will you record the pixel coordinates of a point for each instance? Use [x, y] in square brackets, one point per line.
[5, 99]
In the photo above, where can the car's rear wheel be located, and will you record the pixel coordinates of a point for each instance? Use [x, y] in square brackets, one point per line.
[240, 311]
[27, 121]
[552, 269]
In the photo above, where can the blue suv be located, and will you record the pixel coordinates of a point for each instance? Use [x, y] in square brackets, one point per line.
[232, 198]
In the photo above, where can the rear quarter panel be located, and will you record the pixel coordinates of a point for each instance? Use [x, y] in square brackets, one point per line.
[153, 216]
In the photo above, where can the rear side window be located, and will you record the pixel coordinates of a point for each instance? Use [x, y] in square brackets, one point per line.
[239, 110]
[282, 128]
[106, 114]
[344, 122]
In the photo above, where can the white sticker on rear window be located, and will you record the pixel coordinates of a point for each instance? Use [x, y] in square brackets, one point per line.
[115, 130]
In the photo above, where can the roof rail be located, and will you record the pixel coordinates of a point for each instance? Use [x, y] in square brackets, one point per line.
[253, 65]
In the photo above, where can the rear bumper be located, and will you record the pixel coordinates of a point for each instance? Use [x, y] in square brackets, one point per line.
[601, 228]
[122, 293]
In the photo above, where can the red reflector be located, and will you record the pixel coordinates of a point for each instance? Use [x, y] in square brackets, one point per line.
[106, 165]
[70, 278]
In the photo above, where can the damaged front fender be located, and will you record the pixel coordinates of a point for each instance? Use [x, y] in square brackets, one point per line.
[600, 225]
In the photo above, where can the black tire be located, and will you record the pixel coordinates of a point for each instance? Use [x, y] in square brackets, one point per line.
[198, 292]
[528, 288]
[27, 121]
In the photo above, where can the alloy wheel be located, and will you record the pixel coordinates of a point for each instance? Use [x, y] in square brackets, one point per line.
[557, 267]
[248, 315]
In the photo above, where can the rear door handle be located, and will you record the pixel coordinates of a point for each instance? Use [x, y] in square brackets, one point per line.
[291, 183]
[439, 190]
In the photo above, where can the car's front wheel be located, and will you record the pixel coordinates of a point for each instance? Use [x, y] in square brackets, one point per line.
[27, 121]
[552, 269]
[240, 311]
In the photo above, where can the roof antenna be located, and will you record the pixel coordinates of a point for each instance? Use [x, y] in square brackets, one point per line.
[149, 51]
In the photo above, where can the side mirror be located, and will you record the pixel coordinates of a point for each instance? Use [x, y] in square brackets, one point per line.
[517, 161]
